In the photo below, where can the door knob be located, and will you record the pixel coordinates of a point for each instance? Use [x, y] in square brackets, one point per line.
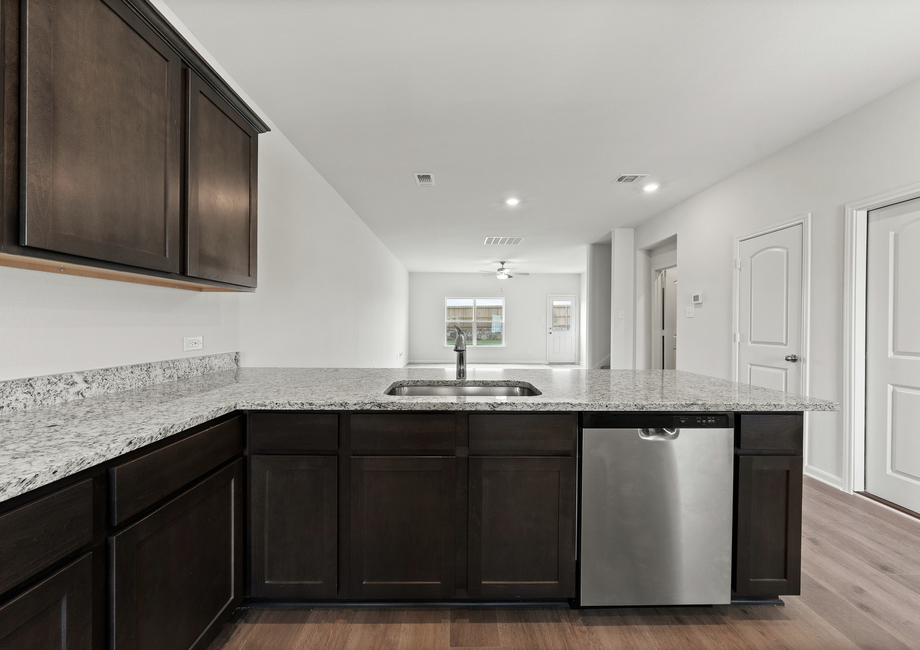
[791, 357]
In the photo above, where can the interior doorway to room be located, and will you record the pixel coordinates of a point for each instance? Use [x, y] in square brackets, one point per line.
[664, 319]
[893, 354]
[562, 328]
[770, 308]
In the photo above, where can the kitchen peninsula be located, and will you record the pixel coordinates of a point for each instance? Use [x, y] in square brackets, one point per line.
[343, 492]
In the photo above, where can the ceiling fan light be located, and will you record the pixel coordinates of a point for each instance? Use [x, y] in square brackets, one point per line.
[502, 275]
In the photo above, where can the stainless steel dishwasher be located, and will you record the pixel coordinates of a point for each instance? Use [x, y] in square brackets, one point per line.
[656, 509]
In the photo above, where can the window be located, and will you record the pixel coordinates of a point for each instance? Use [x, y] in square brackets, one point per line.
[485, 316]
[562, 315]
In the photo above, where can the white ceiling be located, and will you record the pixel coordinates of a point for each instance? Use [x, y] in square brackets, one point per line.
[546, 100]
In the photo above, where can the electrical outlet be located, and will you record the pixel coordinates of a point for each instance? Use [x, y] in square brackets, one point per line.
[193, 343]
[690, 311]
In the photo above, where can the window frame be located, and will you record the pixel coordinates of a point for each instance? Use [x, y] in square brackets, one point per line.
[474, 342]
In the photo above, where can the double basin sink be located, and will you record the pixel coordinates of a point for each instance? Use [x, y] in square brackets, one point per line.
[472, 388]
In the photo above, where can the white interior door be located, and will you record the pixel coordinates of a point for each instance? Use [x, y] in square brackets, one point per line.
[562, 335]
[893, 354]
[770, 310]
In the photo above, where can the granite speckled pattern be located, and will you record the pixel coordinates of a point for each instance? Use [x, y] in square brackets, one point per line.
[41, 445]
[17, 394]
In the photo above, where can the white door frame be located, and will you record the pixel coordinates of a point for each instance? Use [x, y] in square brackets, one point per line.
[805, 356]
[576, 321]
[854, 336]
[656, 313]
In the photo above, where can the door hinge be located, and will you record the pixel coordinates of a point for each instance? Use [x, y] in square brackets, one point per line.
[738, 264]
[737, 337]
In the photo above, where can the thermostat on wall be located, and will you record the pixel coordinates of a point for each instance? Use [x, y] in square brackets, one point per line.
[696, 298]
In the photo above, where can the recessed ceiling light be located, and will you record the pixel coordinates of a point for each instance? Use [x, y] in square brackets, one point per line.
[512, 201]
[651, 187]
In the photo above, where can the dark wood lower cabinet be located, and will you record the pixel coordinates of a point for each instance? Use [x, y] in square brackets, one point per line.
[522, 528]
[768, 524]
[176, 574]
[402, 527]
[55, 614]
[293, 526]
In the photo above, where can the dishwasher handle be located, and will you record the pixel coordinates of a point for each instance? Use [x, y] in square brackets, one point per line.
[656, 433]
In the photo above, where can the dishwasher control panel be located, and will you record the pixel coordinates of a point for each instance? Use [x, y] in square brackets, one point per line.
[620, 420]
[701, 421]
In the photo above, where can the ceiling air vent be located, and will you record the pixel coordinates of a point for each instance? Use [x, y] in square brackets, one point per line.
[510, 241]
[424, 180]
[630, 178]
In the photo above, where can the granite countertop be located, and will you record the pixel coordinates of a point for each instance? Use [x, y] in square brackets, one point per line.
[46, 443]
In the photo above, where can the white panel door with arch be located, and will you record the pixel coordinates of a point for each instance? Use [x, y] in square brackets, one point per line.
[562, 334]
[770, 310]
[893, 354]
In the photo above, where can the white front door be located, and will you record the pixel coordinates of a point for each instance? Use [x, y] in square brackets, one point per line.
[770, 310]
[562, 323]
[893, 354]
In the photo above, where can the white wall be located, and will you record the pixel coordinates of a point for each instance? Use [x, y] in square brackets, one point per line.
[583, 317]
[623, 300]
[525, 314]
[870, 151]
[54, 323]
[330, 293]
[598, 301]
[316, 257]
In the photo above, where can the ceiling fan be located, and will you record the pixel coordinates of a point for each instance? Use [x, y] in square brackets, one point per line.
[503, 272]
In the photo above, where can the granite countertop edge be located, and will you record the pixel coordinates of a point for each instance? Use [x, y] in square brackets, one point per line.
[42, 445]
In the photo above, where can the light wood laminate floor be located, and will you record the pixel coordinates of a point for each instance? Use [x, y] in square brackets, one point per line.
[860, 589]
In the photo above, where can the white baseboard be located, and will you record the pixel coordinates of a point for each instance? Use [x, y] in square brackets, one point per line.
[528, 362]
[824, 477]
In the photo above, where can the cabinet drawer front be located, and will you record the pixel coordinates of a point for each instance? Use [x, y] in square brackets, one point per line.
[42, 532]
[529, 434]
[140, 483]
[293, 433]
[403, 433]
[177, 574]
[55, 613]
[777, 434]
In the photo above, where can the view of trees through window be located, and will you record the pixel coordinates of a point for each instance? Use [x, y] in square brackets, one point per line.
[483, 316]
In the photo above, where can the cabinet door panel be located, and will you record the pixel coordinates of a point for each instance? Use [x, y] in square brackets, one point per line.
[222, 162]
[522, 528]
[176, 574]
[102, 101]
[55, 614]
[293, 526]
[402, 527]
[768, 520]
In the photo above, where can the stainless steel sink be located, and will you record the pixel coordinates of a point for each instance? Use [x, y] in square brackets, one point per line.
[463, 389]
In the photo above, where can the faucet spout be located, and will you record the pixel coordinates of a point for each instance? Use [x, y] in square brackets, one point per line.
[460, 349]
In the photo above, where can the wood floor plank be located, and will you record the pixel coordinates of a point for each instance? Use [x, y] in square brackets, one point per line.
[474, 628]
[849, 619]
[875, 593]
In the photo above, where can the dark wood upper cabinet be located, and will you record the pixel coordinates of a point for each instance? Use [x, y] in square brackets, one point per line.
[101, 148]
[222, 182]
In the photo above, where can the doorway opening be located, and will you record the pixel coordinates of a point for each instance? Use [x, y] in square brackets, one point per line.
[664, 319]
